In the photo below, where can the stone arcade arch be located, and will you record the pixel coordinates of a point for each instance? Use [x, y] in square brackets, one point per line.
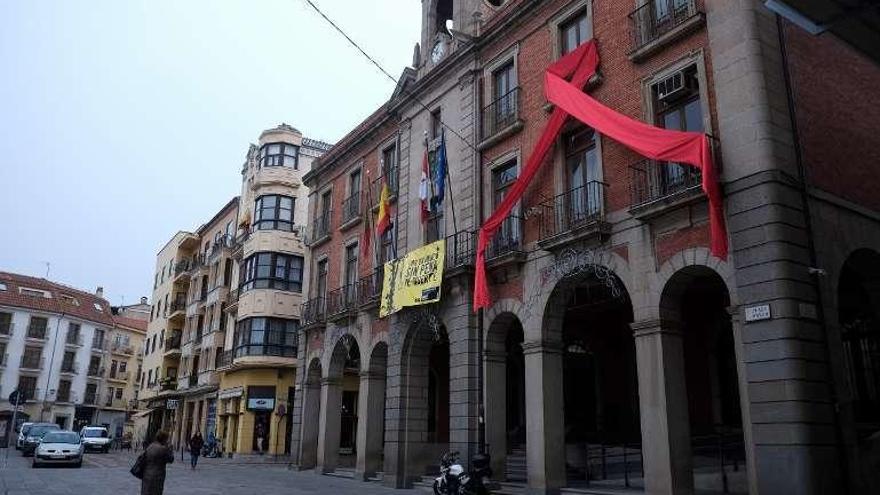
[858, 313]
[311, 412]
[505, 396]
[587, 346]
[339, 410]
[371, 427]
[702, 382]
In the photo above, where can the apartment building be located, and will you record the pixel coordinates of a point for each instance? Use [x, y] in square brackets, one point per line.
[259, 362]
[220, 352]
[52, 349]
[617, 351]
[118, 404]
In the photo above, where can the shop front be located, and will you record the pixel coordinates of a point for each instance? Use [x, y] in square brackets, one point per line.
[253, 408]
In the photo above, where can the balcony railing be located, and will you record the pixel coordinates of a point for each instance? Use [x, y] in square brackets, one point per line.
[320, 227]
[501, 113]
[224, 359]
[32, 362]
[98, 344]
[36, 332]
[223, 242]
[653, 181]
[182, 267]
[6, 328]
[370, 287]
[175, 306]
[461, 249]
[4, 358]
[120, 375]
[314, 311]
[342, 300]
[376, 186]
[69, 367]
[65, 396]
[30, 394]
[658, 17]
[73, 339]
[572, 210]
[351, 207]
[167, 384]
[193, 380]
[508, 239]
[122, 348]
[90, 398]
[95, 371]
[172, 343]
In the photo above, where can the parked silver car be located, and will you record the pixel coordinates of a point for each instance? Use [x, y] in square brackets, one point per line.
[59, 447]
[22, 433]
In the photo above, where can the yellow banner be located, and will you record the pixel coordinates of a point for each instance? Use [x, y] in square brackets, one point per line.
[414, 279]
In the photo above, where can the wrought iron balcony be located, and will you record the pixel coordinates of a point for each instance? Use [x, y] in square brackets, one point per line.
[508, 240]
[168, 384]
[314, 311]
[320, 228]
[658, 184]
[657, 18]
[70, 367]
[96, 371]
[193, 380]
[31, 362]
[176, 306]
[224, 359]
[122, 348]
[461, 250]
[36, 332]
[376, 186]
[90, 398]
[370, 287]
[572, 215]
[172, 343]
[120, 376]
[224, 242]
[351, 207]
[182, 267]
[501, 113]
[73, 339]
[65, 396]
[342, 301]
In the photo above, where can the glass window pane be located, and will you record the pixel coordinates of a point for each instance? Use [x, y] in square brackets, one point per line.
[274, 149]
[693, 116]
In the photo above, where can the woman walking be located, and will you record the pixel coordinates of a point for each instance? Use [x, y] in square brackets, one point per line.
[195, 448]
[156, 457]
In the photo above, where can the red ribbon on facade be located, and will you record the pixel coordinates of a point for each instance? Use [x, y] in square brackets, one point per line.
[691, 148]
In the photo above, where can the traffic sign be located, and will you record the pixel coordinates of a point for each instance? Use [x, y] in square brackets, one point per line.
[16, 398]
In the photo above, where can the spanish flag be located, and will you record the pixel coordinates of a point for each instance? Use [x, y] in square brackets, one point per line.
[383, 222]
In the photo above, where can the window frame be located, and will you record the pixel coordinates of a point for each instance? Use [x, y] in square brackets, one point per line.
[566, 15]
[277, 337]
[272, 160]
[250, 277]
[275, 222]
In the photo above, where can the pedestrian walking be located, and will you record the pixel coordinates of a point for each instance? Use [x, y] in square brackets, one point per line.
[155, 459]
[195, 448]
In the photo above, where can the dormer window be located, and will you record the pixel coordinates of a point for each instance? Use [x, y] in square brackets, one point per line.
[69, 300]
[34, 292]
[279, 155]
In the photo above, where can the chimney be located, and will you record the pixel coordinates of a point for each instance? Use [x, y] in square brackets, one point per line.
[99, 291]
[144, 300]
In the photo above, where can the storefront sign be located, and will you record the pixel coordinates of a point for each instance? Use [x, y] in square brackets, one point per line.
[758, 313]
[414, 279]
[171, 404]
[258, 404]
[228, 393]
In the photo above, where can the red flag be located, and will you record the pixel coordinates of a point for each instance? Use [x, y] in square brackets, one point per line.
[652, 142]
[423, 187]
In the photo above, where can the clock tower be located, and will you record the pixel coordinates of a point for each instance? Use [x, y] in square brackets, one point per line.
[446, 25]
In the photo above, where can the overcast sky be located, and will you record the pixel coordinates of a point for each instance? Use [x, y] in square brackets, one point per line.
[123, 121]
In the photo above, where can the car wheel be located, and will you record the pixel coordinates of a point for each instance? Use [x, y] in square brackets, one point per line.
[79, 464]
[35, 465]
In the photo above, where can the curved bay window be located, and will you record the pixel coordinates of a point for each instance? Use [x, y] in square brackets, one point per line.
[274, 212]
[272, 271]
[279, 155]
[266, 337]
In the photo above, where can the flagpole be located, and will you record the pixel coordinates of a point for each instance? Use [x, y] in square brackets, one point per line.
[449, 183]
[397, 193]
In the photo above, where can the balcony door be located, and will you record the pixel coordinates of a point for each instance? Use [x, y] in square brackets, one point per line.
[508, 236]
[583, 200]
[351, 272]
[683, 112]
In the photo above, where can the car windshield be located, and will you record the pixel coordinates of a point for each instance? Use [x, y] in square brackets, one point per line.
[95, 433]
[39, 431]
[61, 437]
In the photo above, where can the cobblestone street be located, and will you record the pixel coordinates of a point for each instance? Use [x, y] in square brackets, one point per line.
[107, 474]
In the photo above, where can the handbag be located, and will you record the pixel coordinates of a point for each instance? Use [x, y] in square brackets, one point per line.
[137, 470]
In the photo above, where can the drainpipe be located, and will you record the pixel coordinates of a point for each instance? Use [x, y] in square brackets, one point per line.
[843, 463]
[478, 160]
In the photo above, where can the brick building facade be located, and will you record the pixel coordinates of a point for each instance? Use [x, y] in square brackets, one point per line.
[645, 361]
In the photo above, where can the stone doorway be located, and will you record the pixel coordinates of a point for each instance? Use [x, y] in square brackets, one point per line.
[506, 398]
